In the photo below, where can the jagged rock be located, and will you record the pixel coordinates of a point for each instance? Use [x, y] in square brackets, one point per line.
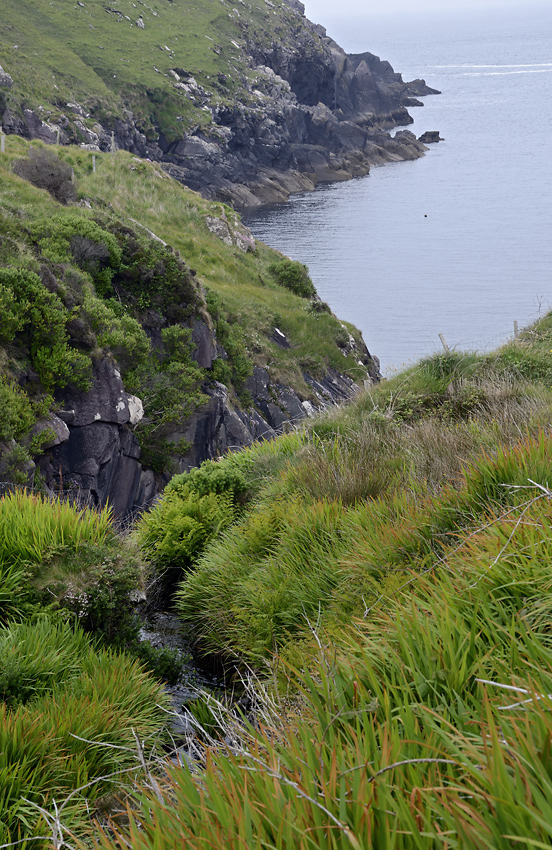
[430, 137]
[95, 452]
[219, 228]
[279, 338]
[231, 233]
[419, 88]
[6, 81]
[135, 409]
[333, 388]
[39, 129]
[279, 405]
[76, 108]
[100, 461]
[106, 401]
[297, 5]
[215, 429]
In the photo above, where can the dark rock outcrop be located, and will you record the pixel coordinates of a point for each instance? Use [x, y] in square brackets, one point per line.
[90, 447]
[430, 137]
[96, 453]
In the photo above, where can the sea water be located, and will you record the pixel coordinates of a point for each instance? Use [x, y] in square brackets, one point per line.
[459, 242]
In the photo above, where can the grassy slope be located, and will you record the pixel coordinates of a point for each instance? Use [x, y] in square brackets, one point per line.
[251, 296]
[423, 722]
[341, 510]
[69, 52]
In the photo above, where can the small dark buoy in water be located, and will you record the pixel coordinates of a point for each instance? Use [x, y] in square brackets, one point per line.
[425, 216]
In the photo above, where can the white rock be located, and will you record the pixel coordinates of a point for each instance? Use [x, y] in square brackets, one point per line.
[135, 409]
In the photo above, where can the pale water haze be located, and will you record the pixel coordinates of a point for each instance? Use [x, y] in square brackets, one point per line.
[458, 242]
[319, 10]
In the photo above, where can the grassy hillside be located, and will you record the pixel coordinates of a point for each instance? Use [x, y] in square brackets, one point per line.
[380, 577]
[98, 56]
[101, 300]
[385, 570]
[391, 565]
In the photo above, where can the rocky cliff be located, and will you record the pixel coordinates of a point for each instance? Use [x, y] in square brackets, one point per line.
[256, 104]
[118, 366]
[92, 447]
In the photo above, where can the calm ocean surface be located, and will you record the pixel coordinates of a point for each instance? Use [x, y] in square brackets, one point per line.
[482, 257]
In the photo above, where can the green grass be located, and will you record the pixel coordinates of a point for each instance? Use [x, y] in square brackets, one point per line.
[58, 53]
[425, 726]
[339, 512]
[424, 723]
[33, 527]
[66, 724]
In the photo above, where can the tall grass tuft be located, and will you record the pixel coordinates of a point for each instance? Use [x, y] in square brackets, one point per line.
[32, 526]
[68, 718]
[33, 529]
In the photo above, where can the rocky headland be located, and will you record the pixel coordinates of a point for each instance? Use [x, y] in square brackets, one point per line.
[291, 110]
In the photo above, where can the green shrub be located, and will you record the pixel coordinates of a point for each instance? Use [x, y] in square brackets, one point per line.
[194, 508]
[294, 276]
[75, 237]
[42, 320]
[152, 276]
[121, 334]
[17, 413]
[230, 335]
[94, 583]
[12, 315]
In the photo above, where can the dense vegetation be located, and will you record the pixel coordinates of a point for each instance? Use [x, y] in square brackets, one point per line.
[79, 282]
[392, 569]
[388, 567]
[384, 570]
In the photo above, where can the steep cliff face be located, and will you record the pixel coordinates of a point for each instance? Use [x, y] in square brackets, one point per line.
[242, 104]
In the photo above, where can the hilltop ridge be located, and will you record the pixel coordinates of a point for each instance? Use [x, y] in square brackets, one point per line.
[244, 103]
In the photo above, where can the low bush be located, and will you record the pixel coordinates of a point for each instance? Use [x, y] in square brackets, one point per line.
[294, 276]
[44, 169]
[195, 507]
[17, 412]
[169, 387]
[41, 318]
[94, 583]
